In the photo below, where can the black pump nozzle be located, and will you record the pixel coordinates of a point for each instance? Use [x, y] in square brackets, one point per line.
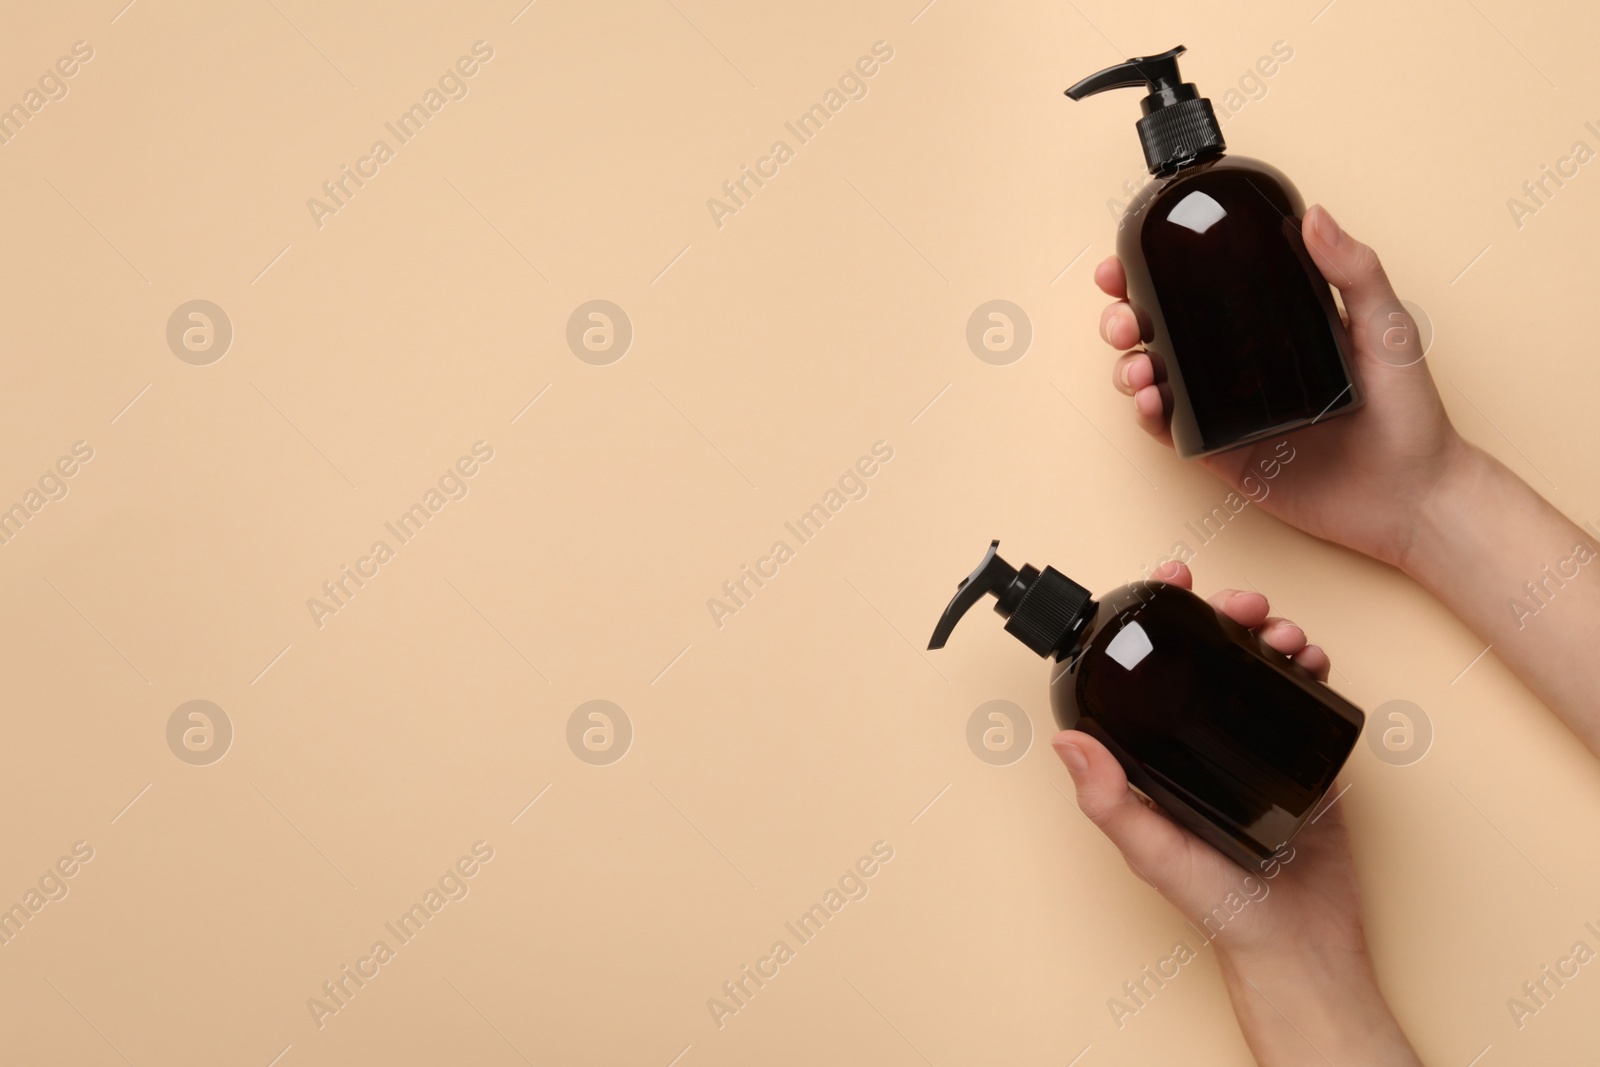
[1159, 73]
[1179, 126]
[1042, 608]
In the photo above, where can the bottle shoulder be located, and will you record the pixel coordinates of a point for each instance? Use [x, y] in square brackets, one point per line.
[1240, 188]
[1156, 602]
[1225, 171]
[1232, 164]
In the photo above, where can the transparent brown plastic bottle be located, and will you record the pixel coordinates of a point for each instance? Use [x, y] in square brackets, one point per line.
[1240, 325]
[1228, 736]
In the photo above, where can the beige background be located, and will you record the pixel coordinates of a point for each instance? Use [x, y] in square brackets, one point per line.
[768, 355]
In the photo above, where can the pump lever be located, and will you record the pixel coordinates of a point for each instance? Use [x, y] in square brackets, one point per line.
[1160, 73]
[993, 575]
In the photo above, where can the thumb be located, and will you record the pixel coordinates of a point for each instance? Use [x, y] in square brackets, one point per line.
[1156, 849]
[1350, 267]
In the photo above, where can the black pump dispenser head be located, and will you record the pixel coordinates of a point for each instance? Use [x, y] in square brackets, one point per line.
[1042, 608]
[1179, 126]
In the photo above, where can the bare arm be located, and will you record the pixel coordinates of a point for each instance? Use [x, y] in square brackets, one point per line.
[1395, 481]
[1314, 1007]
[1523, 576]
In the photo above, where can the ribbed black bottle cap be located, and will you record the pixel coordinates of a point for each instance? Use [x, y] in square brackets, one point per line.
[1047, 612]
[1178, 133]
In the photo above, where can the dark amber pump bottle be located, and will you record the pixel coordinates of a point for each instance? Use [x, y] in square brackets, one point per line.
[1239, 322]
[1230, 737]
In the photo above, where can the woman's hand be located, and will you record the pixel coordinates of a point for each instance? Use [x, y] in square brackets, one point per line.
[1311, 896]
[1360, 479]
[1291, 932]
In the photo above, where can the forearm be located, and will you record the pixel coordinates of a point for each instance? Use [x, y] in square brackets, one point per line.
[1314, 1006]
[1524, 577]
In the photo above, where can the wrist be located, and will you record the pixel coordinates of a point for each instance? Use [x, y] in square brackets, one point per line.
[1307, 1004]
[1461, 473]
[1293, 966]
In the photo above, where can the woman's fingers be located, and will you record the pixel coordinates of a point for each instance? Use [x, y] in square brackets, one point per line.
[1111, 279]
[1151, 407]
[1251, 610]
[1153, 846]
[1174, 573]
[1119, 326]
[1355, 270]
[1132, 372]
[1315, 661]
[1245, 608]
[1282, 635]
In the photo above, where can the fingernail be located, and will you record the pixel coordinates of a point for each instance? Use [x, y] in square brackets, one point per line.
[1326, 227]
[1167, 571]
[1073, 757]
[1123, 373]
